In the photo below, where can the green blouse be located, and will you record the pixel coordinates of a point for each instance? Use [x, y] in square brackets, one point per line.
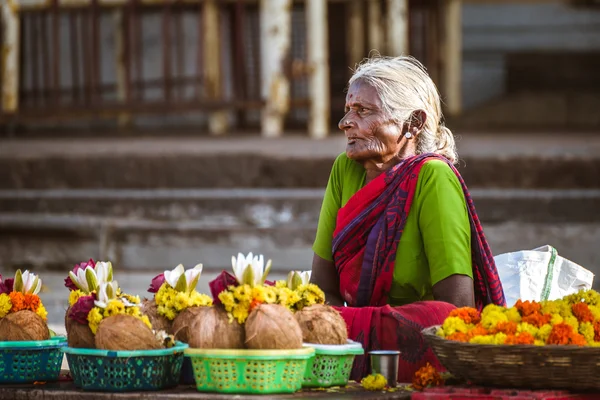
[436, 241]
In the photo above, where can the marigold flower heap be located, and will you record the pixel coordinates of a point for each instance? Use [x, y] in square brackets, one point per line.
[572, 320]
[21, 293]
[253, 289]
[94, 295]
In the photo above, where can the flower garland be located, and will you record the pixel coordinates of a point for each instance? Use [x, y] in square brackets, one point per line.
[374, 382]
[426, 376]
[21, 293]
[572, 320]
[94, 296]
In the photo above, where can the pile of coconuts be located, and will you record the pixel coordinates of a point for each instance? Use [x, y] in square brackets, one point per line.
[23, 325]
[268, 327]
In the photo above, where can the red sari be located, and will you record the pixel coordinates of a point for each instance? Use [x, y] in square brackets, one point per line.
[365, 241]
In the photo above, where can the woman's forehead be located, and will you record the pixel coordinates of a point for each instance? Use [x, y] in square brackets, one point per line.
[362, 92]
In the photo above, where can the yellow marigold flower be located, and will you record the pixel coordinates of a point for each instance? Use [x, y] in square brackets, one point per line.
[556, 319]
[131, 298]
[525, 327]
[490, 319]
[455, 324]
[5, 305]
[281, 284]
[94, 317]
[589, 297]
[133, 311]
[181, 301]
[74, 296]
[595, 311]
[258, 293]
[513, 315]
[586, 329]
[270, 295]
[243, 293]
[114, 307]
[199, 299]
[544, 332]
[227, 299]
[483, 339]
[594, 344]
[492, 308]
[41, 311]
[240, 312]
[374, 382]
[571, 320]
[538, 342]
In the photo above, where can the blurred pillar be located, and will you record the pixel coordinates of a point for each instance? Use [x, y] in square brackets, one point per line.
[397, 27]
[375, 26]
[124, 119]
[217, 120]
[356, 30]
[275, 42]
[452, 56]
[318, 65]
[10, 58]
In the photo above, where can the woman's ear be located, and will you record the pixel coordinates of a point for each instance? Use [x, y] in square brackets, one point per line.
[417, 120]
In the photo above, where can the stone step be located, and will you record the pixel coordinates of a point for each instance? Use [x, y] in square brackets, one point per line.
[505, 161]
[56, 242]
[259, 208]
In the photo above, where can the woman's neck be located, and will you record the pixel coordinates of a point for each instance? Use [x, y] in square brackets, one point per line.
[374, 169]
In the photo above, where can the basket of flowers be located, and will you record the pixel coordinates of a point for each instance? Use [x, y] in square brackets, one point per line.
[28, 350]
[112, 345]
[538, 345]
[251, 340]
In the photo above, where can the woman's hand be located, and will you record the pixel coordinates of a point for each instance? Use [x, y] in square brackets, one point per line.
[325, 276]
[455, 289]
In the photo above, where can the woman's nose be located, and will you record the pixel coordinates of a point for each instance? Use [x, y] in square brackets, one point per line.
[344, 124]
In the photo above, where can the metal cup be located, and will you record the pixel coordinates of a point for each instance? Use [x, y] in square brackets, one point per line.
[385, 362]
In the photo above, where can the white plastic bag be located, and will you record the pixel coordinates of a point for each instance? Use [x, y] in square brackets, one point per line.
[540, 274]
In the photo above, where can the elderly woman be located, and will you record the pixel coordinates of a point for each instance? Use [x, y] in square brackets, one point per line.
[399, 244]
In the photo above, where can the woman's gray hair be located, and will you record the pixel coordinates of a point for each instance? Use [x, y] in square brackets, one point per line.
[404, 87]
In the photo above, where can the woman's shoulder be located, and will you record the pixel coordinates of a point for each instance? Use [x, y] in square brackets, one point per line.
[436, 169]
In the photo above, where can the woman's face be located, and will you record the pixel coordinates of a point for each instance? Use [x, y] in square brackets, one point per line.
[372, 135]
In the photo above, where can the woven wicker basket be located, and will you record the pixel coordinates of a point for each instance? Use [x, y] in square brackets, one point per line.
[519, 366]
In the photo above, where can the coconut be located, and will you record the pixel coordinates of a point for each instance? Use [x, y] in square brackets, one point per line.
[272, 326]
[180, 328]
[79, 335]
[23, 325]
[211, 329]
[125, 332]
[322, 324]
[159, 322]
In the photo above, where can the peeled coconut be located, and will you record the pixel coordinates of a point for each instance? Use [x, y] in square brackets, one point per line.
[125, 332]
[23, 325]
[211, 329]
[159, 322]
[272, 326]
[180, 328]
[322, 324]
[78, 335]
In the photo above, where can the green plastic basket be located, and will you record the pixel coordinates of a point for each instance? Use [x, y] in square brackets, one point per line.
[331, 364]
[122, 371]
[249, 371]
[30, 361]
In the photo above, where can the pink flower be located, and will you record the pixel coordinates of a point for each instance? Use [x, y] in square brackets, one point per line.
[68, 282]
[156, 283]
[221, 283]
[6, 285]
[81, 309]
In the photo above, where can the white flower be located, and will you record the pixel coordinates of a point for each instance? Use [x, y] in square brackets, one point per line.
[297, 278]
[27, 282]
[89, 279]
[182, 280]
[107, 291]
[250, 269]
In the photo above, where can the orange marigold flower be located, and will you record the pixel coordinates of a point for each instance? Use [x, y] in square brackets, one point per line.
[479, 330]
[564, 334]
[17, 299]
[521, 338]
[426, 376]
[459, 337]
[597, 330]
[254, 304]
[507, 327]
[31, 302]
[527, 307]
[537, 319]
[582, 312]
[467, 314]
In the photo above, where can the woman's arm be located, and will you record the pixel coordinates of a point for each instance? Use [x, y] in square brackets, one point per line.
[446, 232]
[326, 277]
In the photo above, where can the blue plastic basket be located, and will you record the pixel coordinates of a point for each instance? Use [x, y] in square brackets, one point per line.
[122, 371]
[31, 361]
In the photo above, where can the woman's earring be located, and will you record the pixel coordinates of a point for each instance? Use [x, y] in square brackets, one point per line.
[408, 135]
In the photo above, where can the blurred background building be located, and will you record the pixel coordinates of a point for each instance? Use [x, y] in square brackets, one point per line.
[157, 132]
